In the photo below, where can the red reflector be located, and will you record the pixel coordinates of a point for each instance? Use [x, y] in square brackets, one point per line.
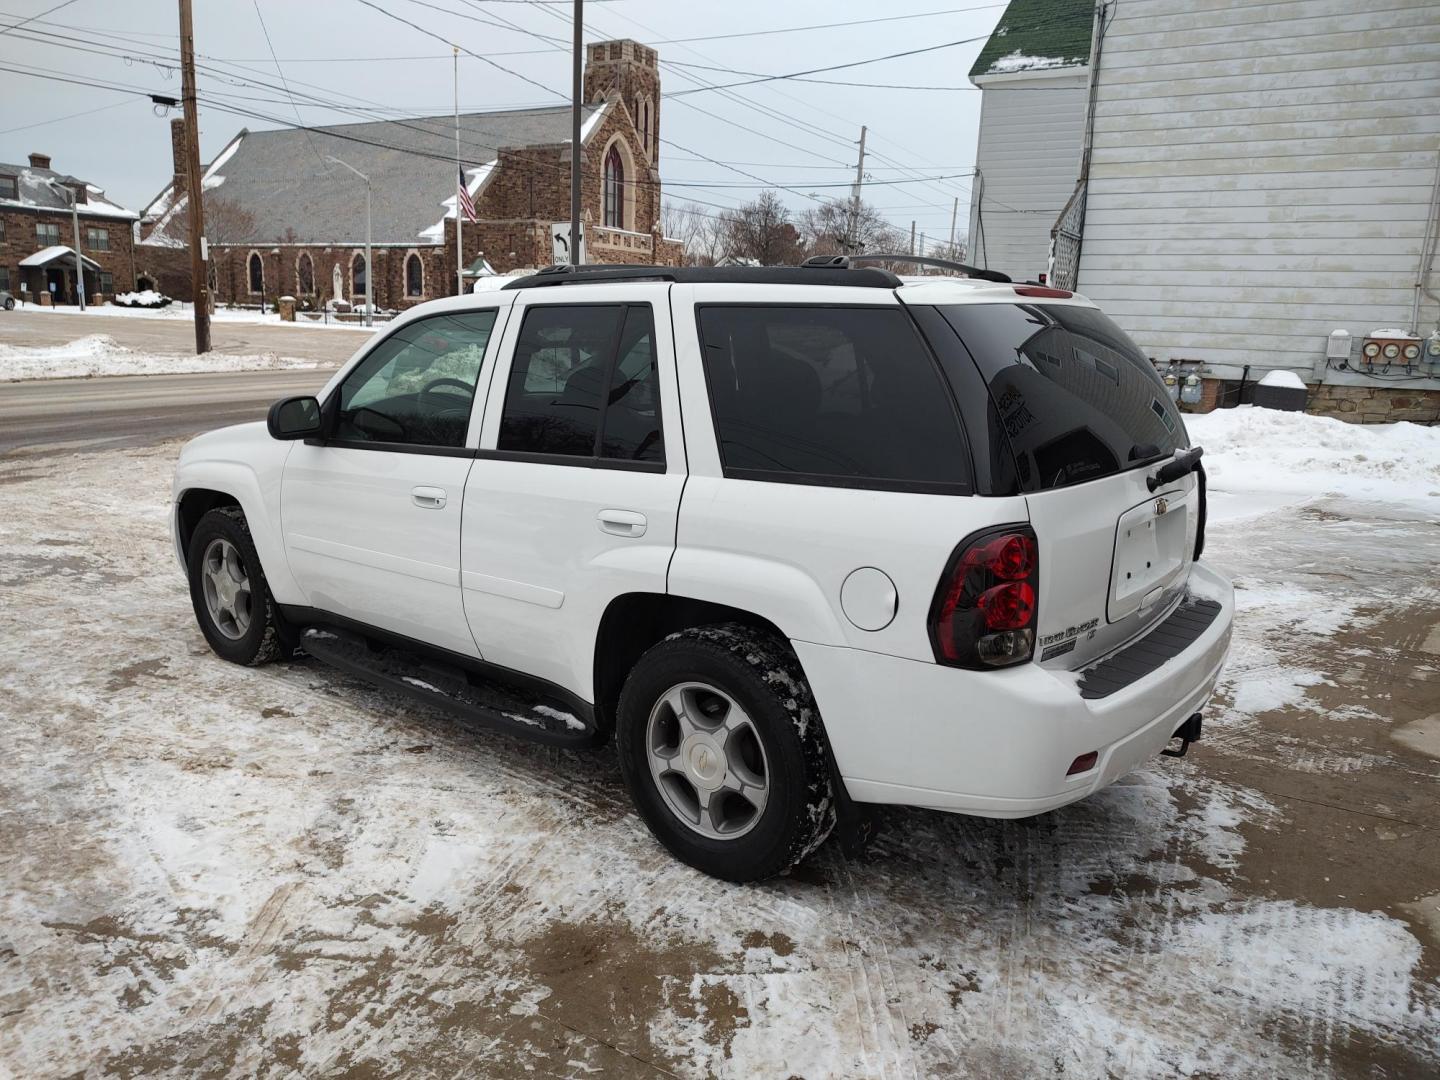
[1041, 290]
[1083, 763]
[1007, 607]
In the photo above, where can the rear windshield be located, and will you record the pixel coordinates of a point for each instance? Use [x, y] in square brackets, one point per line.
[1078, 399]
[830, 395]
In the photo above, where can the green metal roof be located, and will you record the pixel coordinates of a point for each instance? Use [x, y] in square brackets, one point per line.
[1036, 34]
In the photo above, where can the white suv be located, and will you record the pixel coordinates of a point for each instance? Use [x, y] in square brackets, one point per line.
[802, 539]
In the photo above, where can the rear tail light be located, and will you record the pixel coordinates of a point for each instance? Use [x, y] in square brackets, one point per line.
[983, 614]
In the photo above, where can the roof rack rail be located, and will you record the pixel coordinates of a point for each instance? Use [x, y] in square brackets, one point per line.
[845, 262]
[594, 274]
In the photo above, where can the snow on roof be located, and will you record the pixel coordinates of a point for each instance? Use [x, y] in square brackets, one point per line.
[1038, 35]
[282, 179]
[50, 254]
[37, 189]
[1017, 61]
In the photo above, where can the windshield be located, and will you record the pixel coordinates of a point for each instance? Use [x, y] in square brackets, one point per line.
[1077, 398]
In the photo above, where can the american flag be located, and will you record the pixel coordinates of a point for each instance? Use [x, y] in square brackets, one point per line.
[467, 204]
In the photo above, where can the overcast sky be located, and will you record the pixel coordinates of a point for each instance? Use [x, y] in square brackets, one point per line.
[343, 51]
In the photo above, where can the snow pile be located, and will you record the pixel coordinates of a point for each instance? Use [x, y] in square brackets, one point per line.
[1262, 459]
[100, 354]
[1286, 379]
[145, 298]
[1018, 61]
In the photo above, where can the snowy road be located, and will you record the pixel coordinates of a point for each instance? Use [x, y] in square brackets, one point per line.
[229, 872]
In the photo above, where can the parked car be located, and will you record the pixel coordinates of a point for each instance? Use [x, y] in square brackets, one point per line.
[6, 300]
[802, 540]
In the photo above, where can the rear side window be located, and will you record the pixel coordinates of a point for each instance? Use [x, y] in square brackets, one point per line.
[583, 383]
[1077, 398]
[830, 395]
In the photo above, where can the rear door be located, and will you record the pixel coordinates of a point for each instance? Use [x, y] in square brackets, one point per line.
[574, 494]
[1088, 421]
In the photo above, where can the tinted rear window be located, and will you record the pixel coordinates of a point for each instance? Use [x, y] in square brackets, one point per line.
[1078, 399]
[846, 396]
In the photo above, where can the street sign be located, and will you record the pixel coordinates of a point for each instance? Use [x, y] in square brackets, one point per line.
[560, 242]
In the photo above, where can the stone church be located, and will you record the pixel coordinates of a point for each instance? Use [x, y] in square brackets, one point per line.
[284, 219]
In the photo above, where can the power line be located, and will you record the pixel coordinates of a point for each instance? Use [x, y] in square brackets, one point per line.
[59, 119]
[32, 18]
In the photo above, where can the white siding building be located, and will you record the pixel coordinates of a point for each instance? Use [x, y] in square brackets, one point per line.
[1034, 73]
[1262, 174]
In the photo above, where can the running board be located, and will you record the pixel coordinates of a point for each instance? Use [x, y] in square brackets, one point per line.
[489, 703]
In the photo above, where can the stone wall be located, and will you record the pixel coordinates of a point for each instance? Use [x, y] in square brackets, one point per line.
[1356, 404]
[1374, 404]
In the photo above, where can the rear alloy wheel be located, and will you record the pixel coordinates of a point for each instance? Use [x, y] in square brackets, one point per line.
[724, 754]
[228, 592]
[707, 760]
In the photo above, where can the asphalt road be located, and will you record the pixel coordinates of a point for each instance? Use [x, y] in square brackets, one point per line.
[68, 415]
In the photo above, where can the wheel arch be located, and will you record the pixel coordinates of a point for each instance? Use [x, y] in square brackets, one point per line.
[633, 622]
[203, 486]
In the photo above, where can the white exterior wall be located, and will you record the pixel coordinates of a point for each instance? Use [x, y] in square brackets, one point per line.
[1260, 176]
[1031, 129]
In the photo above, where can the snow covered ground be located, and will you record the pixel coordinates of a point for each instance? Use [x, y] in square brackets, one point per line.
[181, 311]
[99, 354]
[236, 872]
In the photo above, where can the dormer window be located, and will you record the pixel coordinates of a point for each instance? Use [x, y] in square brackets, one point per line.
[9, 189]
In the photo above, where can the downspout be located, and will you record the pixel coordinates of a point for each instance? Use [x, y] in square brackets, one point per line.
[1097, 40]
[1427, 253]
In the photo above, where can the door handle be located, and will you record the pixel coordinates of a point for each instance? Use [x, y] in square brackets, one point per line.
[622, 522]
[428, 498]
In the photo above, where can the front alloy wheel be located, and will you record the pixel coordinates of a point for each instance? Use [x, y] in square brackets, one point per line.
[227, 588]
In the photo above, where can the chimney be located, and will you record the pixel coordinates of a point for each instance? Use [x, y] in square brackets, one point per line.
[177, 155]
[39, 161]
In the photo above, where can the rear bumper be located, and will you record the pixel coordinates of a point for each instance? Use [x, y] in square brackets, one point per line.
[998, 743]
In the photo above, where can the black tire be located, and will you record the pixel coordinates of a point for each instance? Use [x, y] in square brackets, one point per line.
[763, 676]
[9, 303]
[260, 640]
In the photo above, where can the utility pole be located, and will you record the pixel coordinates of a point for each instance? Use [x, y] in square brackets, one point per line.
[912, 238]
[199, 279]
[954, 210]
[459, 213]
[850, 238]
[576, 88]
[75, 229]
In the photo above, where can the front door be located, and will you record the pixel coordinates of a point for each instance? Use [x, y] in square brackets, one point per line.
[371, 513]
[575, 491]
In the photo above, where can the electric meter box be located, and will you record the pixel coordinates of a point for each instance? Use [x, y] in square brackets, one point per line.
[1390, 348]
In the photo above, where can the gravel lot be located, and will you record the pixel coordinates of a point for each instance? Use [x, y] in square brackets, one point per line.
[216, 871]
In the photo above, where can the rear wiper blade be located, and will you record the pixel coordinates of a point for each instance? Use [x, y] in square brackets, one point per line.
[1183, 463]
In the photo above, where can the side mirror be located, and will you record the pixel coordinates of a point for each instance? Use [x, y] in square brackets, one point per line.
[294, 418]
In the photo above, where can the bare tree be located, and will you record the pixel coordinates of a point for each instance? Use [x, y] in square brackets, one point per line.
[763, 232]
[700, 232]
[831, 228]
[226, 222]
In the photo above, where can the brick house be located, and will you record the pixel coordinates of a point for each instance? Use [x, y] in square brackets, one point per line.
[37, 236]
[302, 218]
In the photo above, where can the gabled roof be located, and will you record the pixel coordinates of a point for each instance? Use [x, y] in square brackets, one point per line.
[282, 179]
[1035, 35]
[45, 256]
[35, 190]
